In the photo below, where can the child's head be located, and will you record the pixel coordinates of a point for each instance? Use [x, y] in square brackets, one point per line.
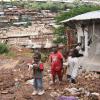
[36, 59]
[75, 53]
[55, 48]
[37, 56]
[70, 52]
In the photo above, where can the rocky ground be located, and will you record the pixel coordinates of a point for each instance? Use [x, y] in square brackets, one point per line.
[14, 86]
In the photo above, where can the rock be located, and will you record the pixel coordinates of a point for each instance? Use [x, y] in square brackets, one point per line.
[4, 92]
[94, 93]
[87, 93]
[49, 88]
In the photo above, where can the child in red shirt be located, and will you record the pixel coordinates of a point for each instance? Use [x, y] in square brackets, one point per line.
[56, 60]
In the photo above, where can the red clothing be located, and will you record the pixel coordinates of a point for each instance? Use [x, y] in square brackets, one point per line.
[41, 67]
[56, 63]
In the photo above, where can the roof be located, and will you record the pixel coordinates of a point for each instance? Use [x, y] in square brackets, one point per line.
[20, 23]
[85, 16]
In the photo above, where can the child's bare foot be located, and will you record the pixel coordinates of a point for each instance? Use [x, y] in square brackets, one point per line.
[51, 83]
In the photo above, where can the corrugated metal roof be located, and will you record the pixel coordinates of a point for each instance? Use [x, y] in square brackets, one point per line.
[85, 16]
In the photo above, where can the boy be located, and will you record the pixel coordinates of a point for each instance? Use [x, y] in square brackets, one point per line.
[56, 61]
[37, 74]
[73, 63]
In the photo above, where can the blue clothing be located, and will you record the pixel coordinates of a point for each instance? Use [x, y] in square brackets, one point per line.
[38, 84]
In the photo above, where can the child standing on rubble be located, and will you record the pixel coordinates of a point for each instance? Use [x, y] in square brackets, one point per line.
[37, 66]
[56, 62]
[73, 64]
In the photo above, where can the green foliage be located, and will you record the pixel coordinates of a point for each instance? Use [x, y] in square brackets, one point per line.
[3, 48]
[76, 11]
[54, 7]
[60, 35]
[44, 57]
[59, 32]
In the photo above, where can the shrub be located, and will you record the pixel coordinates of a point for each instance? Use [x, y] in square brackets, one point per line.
[44, 57]
[3, 48]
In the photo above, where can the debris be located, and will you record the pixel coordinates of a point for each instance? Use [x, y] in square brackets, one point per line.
[13, 84]
[30, 82]
[17, 83]
[54, 94]
[94, 93]
[67, 98]
[73, 91]
[4, 92]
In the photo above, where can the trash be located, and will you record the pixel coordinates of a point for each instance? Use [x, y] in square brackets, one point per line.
[73, 91]
[54, 94]
[94, 93]
[4, 92]
[87, 93]
[17, 83]
[67, 98]
[30, 82]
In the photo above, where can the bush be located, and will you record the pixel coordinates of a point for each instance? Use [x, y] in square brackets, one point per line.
[60, 35]
[3, 48]
[76, 11]
[44, 57]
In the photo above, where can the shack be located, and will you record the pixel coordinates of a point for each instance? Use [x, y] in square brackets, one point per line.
[88, 33]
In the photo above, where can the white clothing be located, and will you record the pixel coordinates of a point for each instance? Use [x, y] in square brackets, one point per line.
[73, 66]
[78, 48]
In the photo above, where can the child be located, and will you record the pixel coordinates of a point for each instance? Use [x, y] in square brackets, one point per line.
[73, 66]
[56, 61]
[37, 74]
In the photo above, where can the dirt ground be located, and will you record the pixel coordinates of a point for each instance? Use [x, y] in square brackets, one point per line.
[14, 74]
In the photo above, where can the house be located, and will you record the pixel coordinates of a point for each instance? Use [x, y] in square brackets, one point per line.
[88, 33]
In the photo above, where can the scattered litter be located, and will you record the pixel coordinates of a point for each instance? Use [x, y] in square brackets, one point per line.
[54, 94]
[30, 82]
[67, 98]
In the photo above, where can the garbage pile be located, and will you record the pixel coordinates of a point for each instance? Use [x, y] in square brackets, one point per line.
[86, 88]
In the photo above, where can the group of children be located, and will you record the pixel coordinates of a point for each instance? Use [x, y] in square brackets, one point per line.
[56, 63]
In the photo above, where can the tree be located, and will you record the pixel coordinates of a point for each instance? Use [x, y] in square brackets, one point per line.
[59, 32]
[60, 35]
[76, 11]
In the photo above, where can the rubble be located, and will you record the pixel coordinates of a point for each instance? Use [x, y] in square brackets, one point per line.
[67, 98]
[17, 84]
[54, 94]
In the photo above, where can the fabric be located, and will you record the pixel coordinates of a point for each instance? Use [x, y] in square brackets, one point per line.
[70, 65]
[41, 67]
[58, 73]
[38, 71]
[67, 98]
[38, 84]
[56, 63]
[73, 67]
